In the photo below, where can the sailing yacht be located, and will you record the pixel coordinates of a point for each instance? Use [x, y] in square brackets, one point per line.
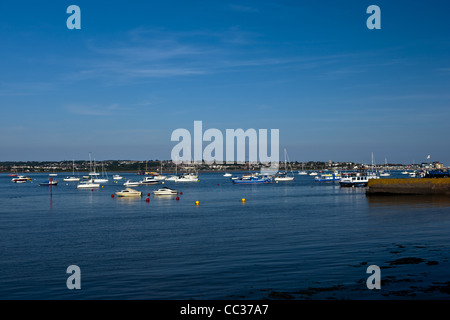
[72, 178]
[385, 172]
[283, 176]
[104, 177]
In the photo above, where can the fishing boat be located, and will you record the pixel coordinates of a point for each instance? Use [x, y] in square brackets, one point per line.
[130, 183]
[20, 179]
[165, 192]
[128, 192]
[88, 184]
[353, 180]
[49, 183]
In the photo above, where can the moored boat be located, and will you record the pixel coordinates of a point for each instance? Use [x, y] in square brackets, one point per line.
[326, 177]
[252, 179]
[149, 180]
[165, 192]
[21, 179]
[88, 184]
[49, 183]
[128, 192]
[353, 179]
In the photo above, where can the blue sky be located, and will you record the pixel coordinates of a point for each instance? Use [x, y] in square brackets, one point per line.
[136, 71]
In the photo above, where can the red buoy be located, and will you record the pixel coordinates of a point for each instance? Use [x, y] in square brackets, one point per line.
[92, 189]
[147, 200]
[112, 196]
[181, 192]
[148, 194]
[178, 198]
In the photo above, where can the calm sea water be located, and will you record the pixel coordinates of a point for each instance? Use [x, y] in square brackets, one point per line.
[291, 240]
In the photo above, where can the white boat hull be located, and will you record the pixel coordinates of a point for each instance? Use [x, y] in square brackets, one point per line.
[284, 179]
[88, 186]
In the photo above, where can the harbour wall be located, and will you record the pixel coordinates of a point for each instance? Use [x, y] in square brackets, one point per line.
[409, 186]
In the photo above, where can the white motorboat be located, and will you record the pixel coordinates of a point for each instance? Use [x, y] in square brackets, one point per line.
[227, 175]
[130, 183]
[117, 177]
[165, 192]
[128, 192]
[313, 174]
[20, 179]
[172, 178]
[69, 179]
[283, 177]
[149, 180]
[189, 177]
[302, 173]
[88, 184]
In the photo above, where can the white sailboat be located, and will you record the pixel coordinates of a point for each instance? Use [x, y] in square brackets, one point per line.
[72, 178]
[175, 177]
[283, 176]
[88, 184]
[92, 173]
[104, 178]
[386, 172]
[303, 172]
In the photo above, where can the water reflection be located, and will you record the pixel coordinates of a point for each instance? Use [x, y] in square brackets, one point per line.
[417, 201]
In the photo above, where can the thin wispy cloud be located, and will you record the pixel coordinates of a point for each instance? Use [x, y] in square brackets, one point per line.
[110, 110]
[241, 8]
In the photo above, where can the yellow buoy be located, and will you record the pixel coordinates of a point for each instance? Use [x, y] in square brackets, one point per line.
[243, 200]
[197, 203]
